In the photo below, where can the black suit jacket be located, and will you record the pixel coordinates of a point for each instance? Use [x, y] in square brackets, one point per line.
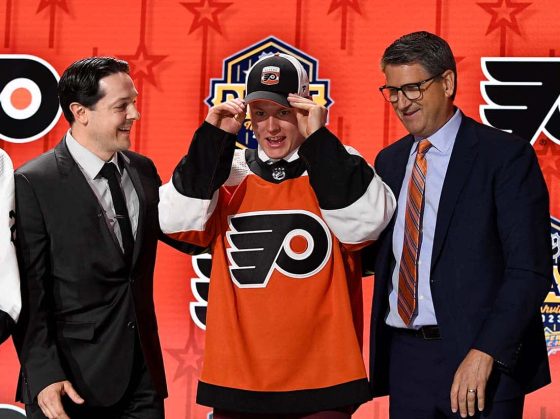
[491, 263]
[82, 306]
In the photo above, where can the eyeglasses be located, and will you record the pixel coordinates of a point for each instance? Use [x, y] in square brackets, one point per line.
[412, 91]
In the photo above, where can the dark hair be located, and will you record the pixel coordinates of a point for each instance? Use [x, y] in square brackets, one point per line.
[424, 48]
[80, 82]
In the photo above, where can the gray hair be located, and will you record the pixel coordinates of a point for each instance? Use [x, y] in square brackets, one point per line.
[424, 48]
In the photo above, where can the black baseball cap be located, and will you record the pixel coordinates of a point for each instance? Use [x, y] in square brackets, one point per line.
[274, 77]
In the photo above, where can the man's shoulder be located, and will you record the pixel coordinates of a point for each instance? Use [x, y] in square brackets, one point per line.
[494, 140]
[137, 158]
[39, 166]
[399, 146]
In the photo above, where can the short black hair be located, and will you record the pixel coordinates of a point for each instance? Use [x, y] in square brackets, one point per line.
[430, 51]
[80, 82]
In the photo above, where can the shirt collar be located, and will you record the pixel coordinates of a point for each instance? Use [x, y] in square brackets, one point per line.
[444, 138]
[289, 158]
[88, 161]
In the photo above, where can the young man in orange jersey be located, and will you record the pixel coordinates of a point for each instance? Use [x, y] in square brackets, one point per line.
[284, 325]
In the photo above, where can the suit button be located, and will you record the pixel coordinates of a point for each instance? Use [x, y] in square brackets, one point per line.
[131, 325]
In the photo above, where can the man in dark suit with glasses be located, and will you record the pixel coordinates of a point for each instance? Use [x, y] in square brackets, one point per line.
[463, 267]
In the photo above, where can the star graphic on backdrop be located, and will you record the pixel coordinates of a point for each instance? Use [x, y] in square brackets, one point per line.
[503, 14]
[142, 64]
[53, 3]
[206, 13]
[345, 4]
[189, 359]
[548, 154]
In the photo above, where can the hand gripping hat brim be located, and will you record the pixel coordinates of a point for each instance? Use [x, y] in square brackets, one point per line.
[272, 78]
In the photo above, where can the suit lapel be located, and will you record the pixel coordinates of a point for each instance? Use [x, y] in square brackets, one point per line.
[139, 188]
[463, 156]
[82, 192]
[394, 175]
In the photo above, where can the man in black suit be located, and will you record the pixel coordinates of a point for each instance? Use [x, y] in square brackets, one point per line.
[87, 223]
[461, 271]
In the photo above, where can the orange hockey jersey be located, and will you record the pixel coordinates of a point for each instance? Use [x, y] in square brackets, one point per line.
[284, 319]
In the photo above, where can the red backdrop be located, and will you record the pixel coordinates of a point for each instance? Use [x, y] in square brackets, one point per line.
[176, 48]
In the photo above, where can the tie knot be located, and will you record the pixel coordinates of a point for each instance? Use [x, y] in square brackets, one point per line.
[424, 146]
[109, 170]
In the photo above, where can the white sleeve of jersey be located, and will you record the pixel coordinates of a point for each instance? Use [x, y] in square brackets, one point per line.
[10, 297]
[180, 213]
[365, 218]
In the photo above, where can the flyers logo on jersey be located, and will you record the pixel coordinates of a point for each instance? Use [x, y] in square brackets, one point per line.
[522, 96]
[270, 75]
[297, 244]
[28, 98]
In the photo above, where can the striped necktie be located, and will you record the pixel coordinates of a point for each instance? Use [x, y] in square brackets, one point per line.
[408, 269]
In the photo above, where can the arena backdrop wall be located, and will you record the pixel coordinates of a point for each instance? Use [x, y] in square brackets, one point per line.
[186, 55]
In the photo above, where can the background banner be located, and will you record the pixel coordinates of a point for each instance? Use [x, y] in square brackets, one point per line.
[187, 55]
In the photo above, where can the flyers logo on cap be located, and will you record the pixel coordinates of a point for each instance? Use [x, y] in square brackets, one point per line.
[550, 310]
[29, 106]
[522, 96]
[270, 75]
[234, 72]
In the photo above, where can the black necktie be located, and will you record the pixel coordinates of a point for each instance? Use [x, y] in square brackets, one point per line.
[109, 172]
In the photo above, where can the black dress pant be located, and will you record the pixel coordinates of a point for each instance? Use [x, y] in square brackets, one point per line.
[420, 384]
[140, 400]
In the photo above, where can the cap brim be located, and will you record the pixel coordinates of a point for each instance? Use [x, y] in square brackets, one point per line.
[270, 96]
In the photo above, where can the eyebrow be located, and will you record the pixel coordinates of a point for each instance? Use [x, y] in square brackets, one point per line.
[124, 98]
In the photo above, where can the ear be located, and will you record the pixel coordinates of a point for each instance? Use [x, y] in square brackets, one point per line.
[80, 112]
[448, 78]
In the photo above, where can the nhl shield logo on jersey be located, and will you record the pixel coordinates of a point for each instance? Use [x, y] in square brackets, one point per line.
[234, 73]
[270, 75]
[551, 308]
[278, 173]
[522, 95]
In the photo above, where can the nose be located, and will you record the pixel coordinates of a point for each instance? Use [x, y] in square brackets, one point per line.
[402, 101]
[272, 124]
[133, 112]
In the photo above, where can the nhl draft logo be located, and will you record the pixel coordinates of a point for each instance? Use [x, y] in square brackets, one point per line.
[235, 67]
[550, 310]
[522, 96]
[295, 243]
[28, 98]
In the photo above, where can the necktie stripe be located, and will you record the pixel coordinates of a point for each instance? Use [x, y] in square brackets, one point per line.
[408, 268]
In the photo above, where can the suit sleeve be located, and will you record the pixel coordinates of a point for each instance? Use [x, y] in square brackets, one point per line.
[189, 200]
[10, 298]
[354, 201]
[184, 247]
[523, 221]
[34, 338]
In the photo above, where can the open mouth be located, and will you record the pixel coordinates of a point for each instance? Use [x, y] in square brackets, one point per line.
[275, 141]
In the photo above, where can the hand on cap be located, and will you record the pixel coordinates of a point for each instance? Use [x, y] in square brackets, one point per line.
[311, 116]
[228, 116]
